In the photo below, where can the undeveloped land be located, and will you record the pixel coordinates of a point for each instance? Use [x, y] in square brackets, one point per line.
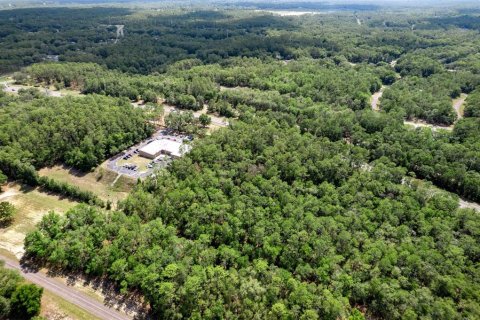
[31, 205]
[102, 181]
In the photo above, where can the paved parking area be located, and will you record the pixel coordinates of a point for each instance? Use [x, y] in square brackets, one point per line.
[160, 162]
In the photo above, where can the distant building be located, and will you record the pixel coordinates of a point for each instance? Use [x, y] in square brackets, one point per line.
[51, 57]
[163, 146]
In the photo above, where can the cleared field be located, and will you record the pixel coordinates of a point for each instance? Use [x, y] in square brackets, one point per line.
[31, 205]
[8, 85]
[102, 181]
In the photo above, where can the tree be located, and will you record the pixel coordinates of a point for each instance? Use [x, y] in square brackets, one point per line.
[3, 179]
[181, 121]
[7, 211]
[26, 301]
[149, 96]
[204, 120]
[4, 307]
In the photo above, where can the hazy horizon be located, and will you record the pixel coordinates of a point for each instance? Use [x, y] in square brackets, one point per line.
[383, 3]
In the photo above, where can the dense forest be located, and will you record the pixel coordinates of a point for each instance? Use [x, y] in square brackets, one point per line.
[81, 132]
[310, 205]
[260, 221]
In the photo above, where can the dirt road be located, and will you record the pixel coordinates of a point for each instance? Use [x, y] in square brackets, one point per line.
[458, 105]
[68, 293]
[470, 205]
[216, 120]
[376, 97]
[423, 124]
[14, 88]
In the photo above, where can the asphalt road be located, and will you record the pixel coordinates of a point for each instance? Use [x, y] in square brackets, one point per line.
[68, 293]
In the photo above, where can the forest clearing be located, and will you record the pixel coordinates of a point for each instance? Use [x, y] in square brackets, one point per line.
[100, 181]
[32, 204]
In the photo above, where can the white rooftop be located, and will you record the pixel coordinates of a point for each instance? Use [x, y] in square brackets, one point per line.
[171, 146]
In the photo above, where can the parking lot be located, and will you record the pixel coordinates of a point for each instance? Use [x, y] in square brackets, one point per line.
[130, 163]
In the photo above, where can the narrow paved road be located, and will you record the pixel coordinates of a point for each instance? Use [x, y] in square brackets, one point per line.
[83, 301]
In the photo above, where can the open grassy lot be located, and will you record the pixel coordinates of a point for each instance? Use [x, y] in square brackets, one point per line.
[102, 181]
[31, 205]
[141, 162]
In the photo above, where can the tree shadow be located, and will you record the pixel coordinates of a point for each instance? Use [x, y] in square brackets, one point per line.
[25, 188]
[71, 170]
[6, 223]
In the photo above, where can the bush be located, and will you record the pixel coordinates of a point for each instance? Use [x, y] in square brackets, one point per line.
[25, 302]
[205, 120]
[7, 211]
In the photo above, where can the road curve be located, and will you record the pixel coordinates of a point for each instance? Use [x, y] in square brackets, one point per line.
[68, 293]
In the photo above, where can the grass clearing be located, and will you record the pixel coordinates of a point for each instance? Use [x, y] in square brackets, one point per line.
[98, 181]
[31, 205]
[137, 160]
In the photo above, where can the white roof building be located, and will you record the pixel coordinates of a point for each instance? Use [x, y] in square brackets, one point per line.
[163, 146]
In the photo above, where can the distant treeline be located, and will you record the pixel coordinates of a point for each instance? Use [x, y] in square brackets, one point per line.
[303, 5]
[308, 206]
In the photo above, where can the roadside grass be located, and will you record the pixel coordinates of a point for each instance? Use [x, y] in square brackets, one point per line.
[98, 181]
[31, 205]
[55, 307]
[7, 254]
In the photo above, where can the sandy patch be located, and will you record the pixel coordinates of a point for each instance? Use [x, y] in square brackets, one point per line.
[469, 205]
[31, 206]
